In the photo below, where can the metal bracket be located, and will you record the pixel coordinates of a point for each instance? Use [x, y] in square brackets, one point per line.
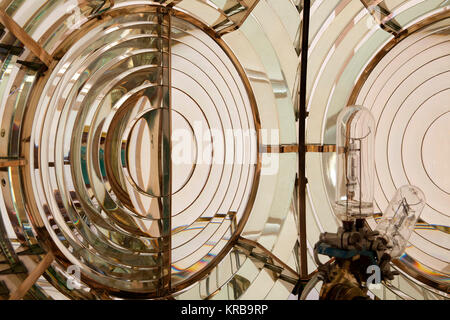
[31, 251]
[233, 15]
[9, 49]
[98, 10]
[17, 268]
[40, 68]
[382, 15]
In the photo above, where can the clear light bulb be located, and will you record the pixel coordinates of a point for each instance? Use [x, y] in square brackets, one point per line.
[400, 218]
[355, 135]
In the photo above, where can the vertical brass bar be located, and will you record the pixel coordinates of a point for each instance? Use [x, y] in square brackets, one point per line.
[165, 145]
[169, 138]
[302, 181]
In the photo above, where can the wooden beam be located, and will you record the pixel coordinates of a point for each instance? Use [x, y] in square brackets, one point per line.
[25, 38]
[4, 5]
[26, 285]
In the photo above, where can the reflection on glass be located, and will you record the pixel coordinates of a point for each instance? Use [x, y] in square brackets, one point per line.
[400, 218]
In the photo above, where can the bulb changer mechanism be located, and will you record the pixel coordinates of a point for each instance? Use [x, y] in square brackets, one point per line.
[355, 248]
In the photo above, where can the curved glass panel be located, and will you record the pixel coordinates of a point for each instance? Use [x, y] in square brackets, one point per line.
[381, 56]
[141, 142]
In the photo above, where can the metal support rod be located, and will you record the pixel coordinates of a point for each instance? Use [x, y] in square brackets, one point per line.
[302, 144]
[255, 244]
[26, 285]
[25, 38]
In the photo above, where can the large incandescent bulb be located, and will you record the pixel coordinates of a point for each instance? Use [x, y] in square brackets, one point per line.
[400, 218]
[355, 135]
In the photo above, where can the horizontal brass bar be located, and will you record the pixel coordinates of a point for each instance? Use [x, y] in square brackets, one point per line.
[6, 163]
[287, 148]
[320, 148]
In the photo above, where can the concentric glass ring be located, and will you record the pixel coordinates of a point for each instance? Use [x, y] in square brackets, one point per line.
[114, 195]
